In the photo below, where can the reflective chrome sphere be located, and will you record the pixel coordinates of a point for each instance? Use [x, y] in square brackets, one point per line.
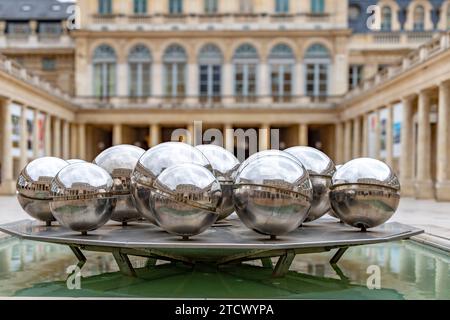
[365, 193]
[262, 154]
[33, 187]
[224, 165]
[152, 163]
[119, 161]
[82, 198]
[331, 212]
[72, 161]
[272, 194]
[185, 198]
[321, 169]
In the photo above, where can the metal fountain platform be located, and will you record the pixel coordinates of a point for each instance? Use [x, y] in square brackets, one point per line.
[226, 242]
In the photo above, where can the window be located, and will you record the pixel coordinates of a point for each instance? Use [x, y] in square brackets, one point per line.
[386, 19]
[211, 6]
[18, 28]
[140, 6]
[381, 67]
[104, 71]
[245, 63]
[317, 61]
[448, 16]
[48, 64]
[419, 19]
[175, 6]
[281, 6]
[354, 11]
[355, 75]
[210, 70]
[139, 66]
[50, 28]
[105, 6]
[281, 61]
[175, 71]
[317, 6]
[246, 6]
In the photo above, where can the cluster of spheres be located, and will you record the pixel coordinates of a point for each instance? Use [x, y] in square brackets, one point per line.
[185, 190]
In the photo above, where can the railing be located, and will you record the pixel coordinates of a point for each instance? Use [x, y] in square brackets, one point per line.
[202, 102]
[16, 70]
[387, 38]
[419, 36]
[414, 58]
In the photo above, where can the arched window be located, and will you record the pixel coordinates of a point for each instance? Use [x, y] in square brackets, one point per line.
[419, 19]
[281, 61]
[175, 6]
[104, 61]
[140, 6]
[281, 6]
[386, 19]
[210, 69]
[139, 66]
[245, 63]
[317, 6]
[317, 61]
[175, 71]
[105, 6]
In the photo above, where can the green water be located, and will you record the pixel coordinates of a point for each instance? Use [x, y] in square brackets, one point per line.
[407, 271]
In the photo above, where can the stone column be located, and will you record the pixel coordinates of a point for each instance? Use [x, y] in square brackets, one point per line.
[73, 141]
[48, 135]
[82, 141]
[192, 84]
[365, 136]
[424, 185]
[157, 80]
[57, 137]
[357, 137]
[389, 137]
[228, 91]
[229, 137]
[117, 134]
[155, 134]
[443, 144]
[378, 135]
[406, 157]
[264, 137]
[7, 161]
[263, 83]
[66, 140]
[339, 142]
[122, 80]
[303, 134]
[23, 160]
[35, 134]
[347, 140]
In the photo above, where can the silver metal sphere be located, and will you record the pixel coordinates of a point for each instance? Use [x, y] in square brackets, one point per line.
[321, 169]
[331, 212]
[260, 154]
[224, 165]
[72, 161]
[82, 198]
[272, 194]
[152, 163]
[365, 193]
[33, 187]
[185, 199]
[119, 161]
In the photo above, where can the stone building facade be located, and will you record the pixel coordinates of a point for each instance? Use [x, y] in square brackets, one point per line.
[353, 78]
